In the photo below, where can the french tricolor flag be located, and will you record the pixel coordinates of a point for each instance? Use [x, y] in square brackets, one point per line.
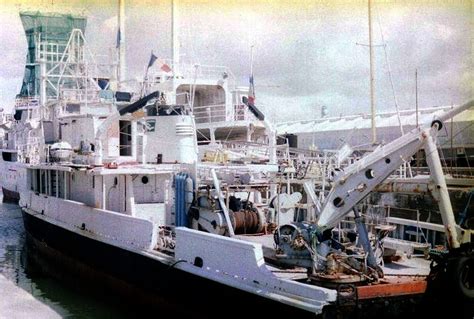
[251, 98]
[164, 67]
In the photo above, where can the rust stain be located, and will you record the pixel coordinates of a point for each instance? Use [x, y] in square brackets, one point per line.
[400, 187]
[449, 235]
[385, 188]
[392, 287]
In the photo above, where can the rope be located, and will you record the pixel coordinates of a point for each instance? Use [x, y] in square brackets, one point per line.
[228, 134]
[176, 262]
[203, 135]
[390, 74]
[392, 85]
[459, 132]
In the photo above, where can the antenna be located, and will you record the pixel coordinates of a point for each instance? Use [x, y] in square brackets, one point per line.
[121, 42]
[416, 95]
[251, 59]
[372, 91]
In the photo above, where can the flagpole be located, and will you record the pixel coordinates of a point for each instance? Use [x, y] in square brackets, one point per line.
[251, 96]
[145, 78]
[251, 60]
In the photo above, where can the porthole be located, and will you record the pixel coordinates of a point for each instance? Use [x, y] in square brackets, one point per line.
[198, 262]
[338, 202]
[145, 179]
[369, 173]
[387, 160]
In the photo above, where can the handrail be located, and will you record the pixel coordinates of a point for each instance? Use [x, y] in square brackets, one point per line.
[219, 112]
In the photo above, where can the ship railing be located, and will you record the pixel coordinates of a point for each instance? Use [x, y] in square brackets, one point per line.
[295, 152]
[404, 171]
[237, 151]
[242, 113]
[26, 102]
[455, 172]
[68, 70]
[318, 165]
[77, 52]
[210, 113]
[72, 65]
[30, 141]
[328, 158]
[29, 150]
[219, 113]
[199, 71]
[247, 147]
[190, 73]
[181, 98]
[405, 233]
[79, 95]
[5, 118]
[50, 51]
[411, 224]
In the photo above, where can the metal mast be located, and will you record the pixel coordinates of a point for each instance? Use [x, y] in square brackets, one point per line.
[122, 62]
[416, 95]
[174, 33]
[372, 91]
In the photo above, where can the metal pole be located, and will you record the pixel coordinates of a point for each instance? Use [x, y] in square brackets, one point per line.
[222, 203]
[251, 60]
[104, 194]
[122, 62]
[174, 48]
[453, 162]
[440, 190]
[372, 90]
[43, 92]
[455, 111]
[417, 225]
[416, 95]
[174, 33]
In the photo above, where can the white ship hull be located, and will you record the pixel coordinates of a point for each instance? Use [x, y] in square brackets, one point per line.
[215, 265]
[12, 179]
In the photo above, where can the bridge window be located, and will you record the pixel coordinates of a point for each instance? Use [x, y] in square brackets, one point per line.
[9, 157]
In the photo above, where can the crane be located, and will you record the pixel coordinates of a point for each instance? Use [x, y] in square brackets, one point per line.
[310, 245]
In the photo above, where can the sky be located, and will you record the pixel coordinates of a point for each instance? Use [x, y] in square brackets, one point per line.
[307, 53]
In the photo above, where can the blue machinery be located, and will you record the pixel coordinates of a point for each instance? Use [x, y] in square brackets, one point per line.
[183, 198]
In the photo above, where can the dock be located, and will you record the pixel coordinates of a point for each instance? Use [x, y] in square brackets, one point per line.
[18, 303]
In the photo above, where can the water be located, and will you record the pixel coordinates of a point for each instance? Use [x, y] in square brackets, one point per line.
[21, 267]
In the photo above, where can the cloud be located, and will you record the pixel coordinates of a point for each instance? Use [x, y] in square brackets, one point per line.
[305, 53]
[110, 24]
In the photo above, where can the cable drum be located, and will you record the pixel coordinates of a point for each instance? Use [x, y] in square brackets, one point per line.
[246, 221]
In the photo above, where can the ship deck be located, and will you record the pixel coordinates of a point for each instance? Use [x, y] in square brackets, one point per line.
[414, 266]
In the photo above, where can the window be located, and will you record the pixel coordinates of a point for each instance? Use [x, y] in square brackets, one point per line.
[125, 138]
[9, 157]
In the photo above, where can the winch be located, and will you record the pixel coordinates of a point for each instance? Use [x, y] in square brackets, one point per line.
[244, 216]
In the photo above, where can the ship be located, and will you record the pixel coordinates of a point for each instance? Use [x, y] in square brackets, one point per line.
[116, 186]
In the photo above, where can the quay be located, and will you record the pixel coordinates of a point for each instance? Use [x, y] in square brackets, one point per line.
[18, 303]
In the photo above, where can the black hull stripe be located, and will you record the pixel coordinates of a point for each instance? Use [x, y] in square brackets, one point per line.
[149, 276]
